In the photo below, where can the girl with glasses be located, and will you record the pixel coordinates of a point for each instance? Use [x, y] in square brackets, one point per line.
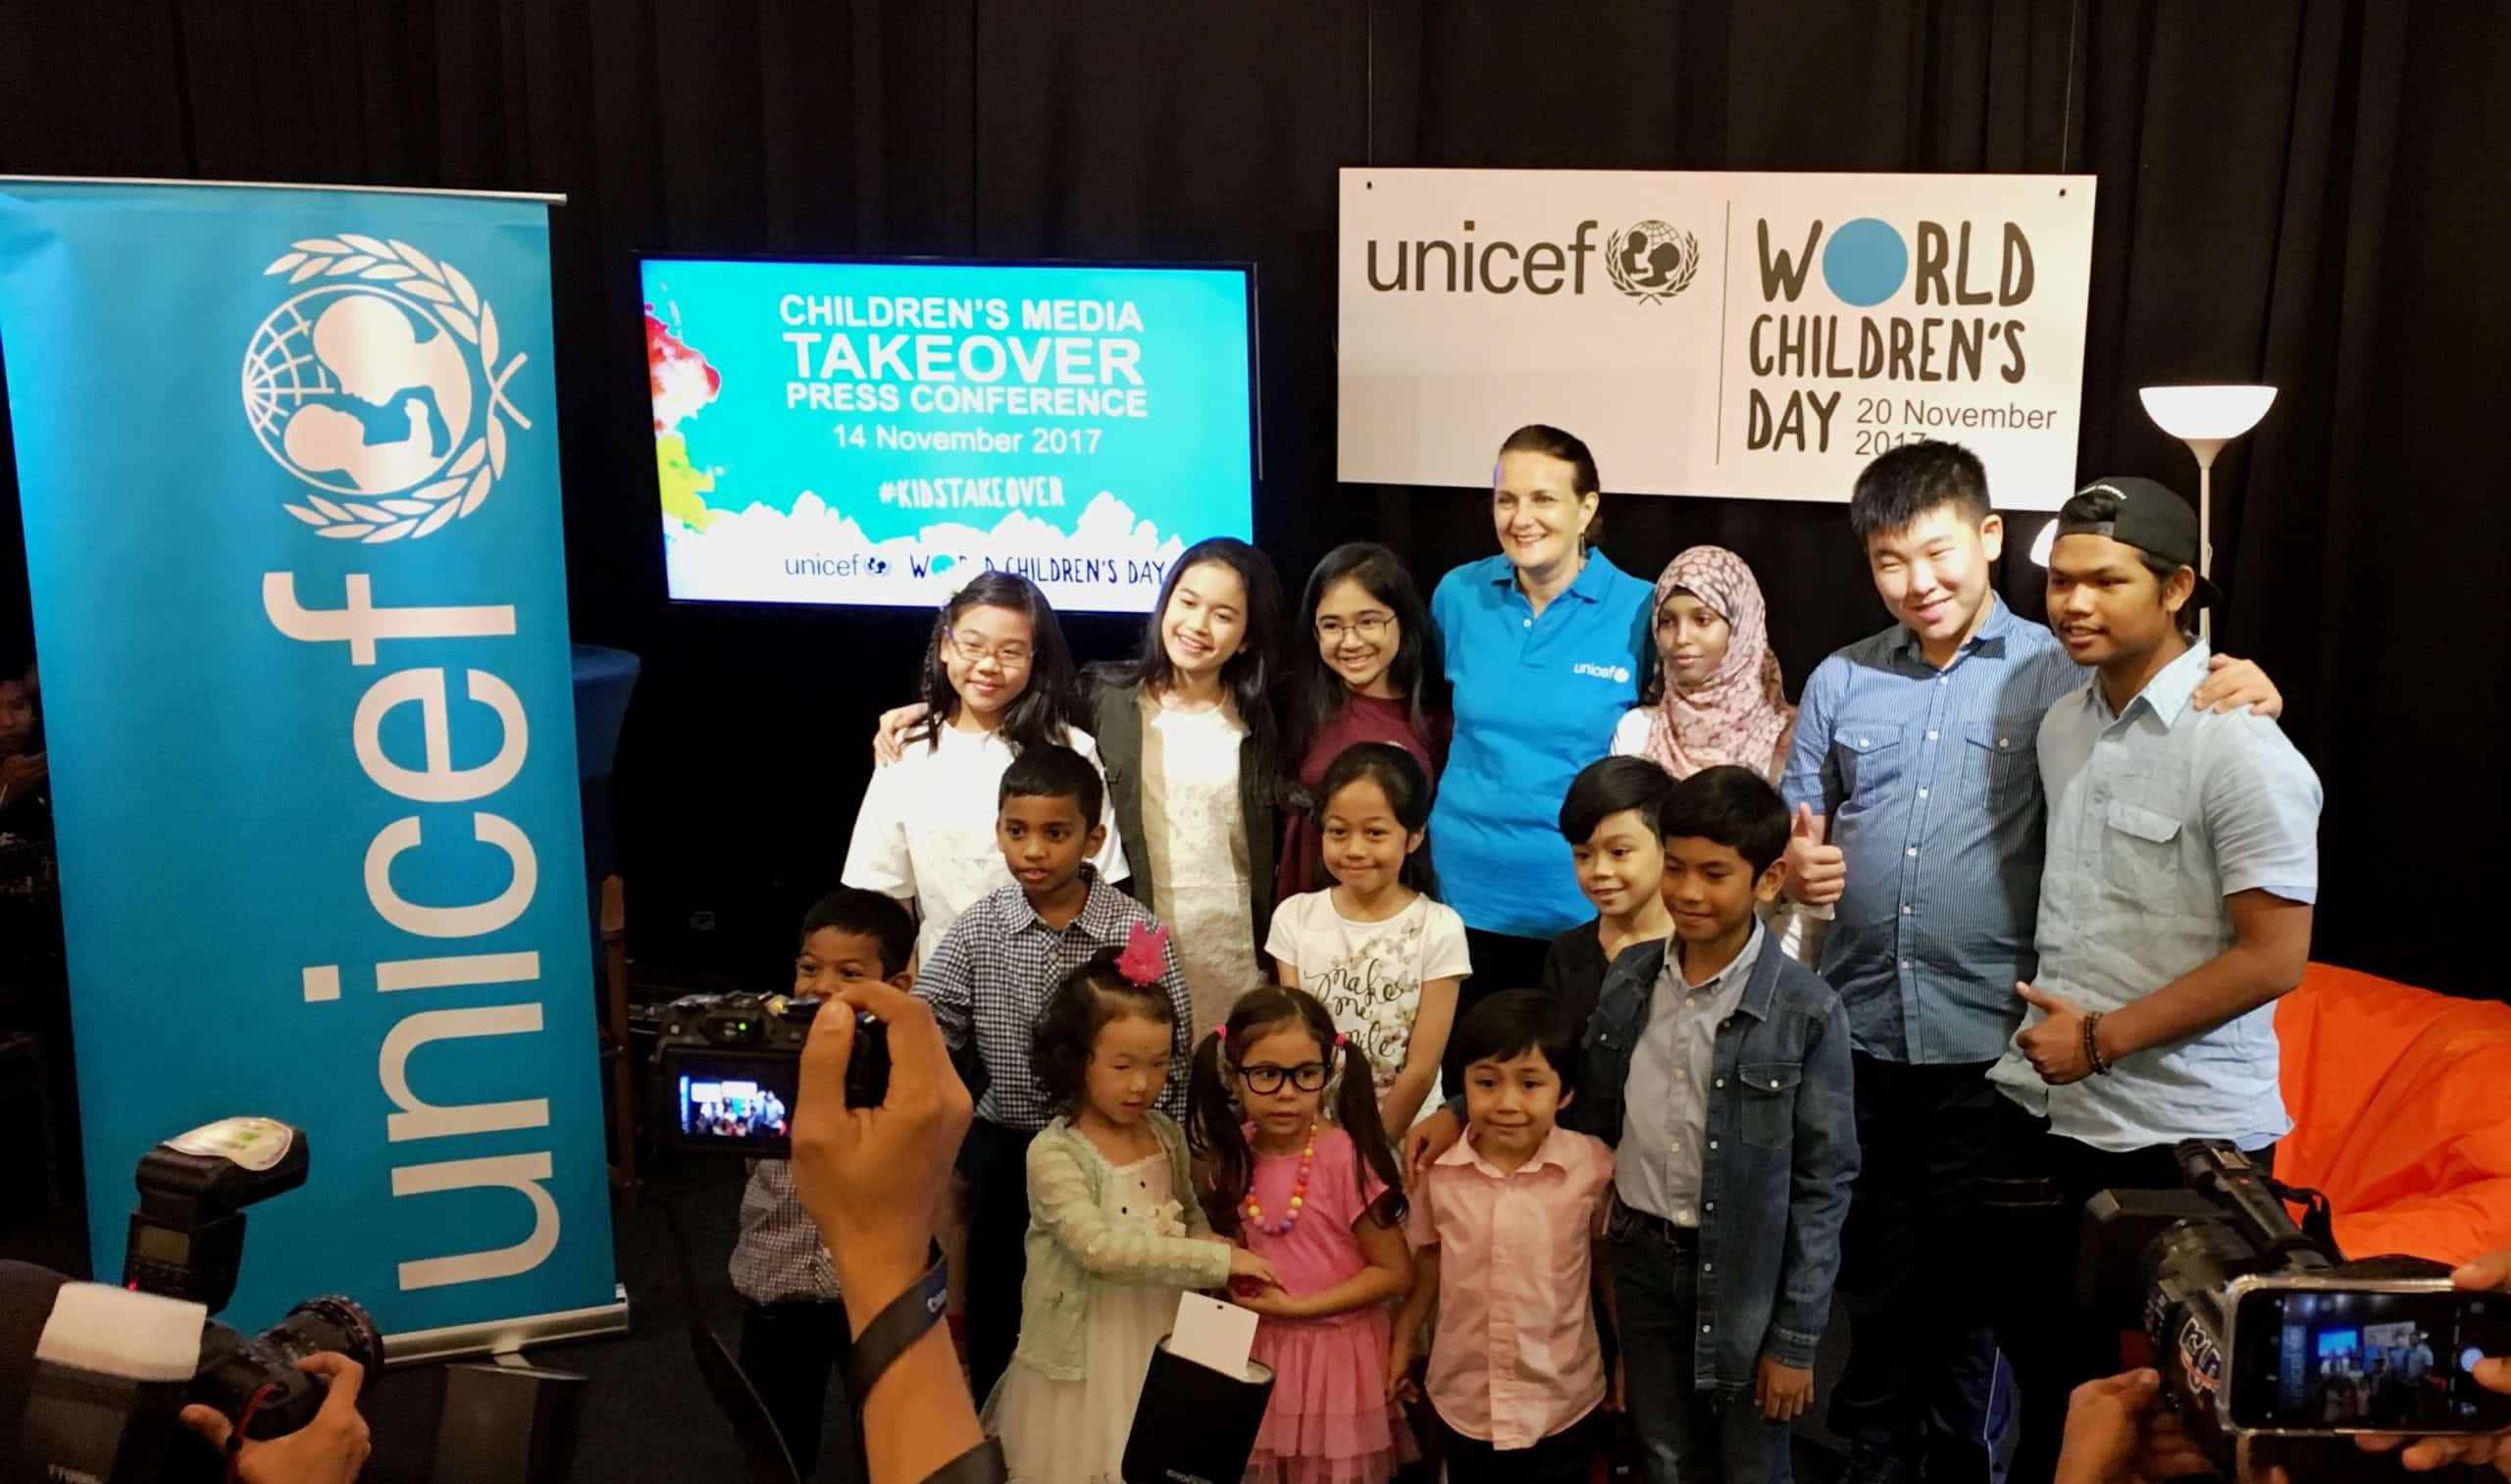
[1186, 732]
[1367, 671]
[996, 679]
[1323, 1204]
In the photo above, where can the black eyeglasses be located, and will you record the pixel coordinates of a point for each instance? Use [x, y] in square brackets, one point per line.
[1264, 1076]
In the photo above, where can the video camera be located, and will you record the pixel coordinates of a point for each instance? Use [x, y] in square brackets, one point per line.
[109, 1386]
[730, 1066]
[2259, 1327]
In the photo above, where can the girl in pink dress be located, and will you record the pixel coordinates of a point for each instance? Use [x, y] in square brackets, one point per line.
[1321, 1204]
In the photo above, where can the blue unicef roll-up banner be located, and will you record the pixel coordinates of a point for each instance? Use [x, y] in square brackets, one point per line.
[289, 469]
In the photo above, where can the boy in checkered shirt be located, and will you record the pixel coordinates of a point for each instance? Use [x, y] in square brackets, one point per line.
[988, 981]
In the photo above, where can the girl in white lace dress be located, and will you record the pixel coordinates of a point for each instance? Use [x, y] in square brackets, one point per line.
[1115, 1232]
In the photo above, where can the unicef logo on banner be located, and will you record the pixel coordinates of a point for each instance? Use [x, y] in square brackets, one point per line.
[366, 389]
[1652, 261]
[1649, 261]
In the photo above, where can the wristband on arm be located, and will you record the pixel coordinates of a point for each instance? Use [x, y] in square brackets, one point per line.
[893, 1332]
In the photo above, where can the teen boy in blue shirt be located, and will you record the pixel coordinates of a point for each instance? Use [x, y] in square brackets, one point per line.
[1917, 821]
[2182, 861]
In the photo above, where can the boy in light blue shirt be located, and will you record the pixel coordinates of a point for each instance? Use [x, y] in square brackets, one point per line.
[2180, 866]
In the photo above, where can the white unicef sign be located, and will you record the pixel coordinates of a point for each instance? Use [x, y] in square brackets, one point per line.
[1714, 333]
[365, 388]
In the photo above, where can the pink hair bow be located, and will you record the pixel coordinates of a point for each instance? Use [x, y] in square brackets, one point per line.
[1146, 955]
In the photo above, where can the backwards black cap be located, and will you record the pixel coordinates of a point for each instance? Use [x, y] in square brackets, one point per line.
[2153, 519]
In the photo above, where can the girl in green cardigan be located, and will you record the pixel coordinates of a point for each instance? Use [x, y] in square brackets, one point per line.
[1116, 1233]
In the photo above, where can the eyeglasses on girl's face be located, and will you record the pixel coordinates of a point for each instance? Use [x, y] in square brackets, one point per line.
[1265, 1077]
[1368, 628]
[976, 650]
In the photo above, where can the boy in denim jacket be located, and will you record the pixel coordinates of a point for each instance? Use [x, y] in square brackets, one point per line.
[1718, 1069]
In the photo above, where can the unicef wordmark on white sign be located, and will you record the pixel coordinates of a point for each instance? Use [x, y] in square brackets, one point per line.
[404, 329]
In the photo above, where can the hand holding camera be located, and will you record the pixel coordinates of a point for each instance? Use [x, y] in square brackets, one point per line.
[873, 1177]
[330, 1450]
[2118, 1428]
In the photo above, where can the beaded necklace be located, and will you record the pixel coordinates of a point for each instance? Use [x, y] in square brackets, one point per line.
[1299, 1194]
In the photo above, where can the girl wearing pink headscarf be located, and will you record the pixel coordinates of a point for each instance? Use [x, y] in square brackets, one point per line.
[1716, 697]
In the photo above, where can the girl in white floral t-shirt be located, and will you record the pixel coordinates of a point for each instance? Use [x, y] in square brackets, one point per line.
[1378, 948]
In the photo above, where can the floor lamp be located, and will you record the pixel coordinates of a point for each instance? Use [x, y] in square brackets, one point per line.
[2206, 418]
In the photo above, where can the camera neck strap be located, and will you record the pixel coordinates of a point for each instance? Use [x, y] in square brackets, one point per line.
[981, 1464]
[906, 1319]
[894, 1329]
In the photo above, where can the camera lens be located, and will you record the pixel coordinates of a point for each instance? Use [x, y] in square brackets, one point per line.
[331, 1323]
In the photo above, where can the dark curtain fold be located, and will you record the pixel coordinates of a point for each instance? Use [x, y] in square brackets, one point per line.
[2308, 194]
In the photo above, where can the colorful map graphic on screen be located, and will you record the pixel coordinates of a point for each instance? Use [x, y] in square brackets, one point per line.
[876, 432]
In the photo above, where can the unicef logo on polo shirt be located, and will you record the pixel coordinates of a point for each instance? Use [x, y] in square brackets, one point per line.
[1619, 675]
[365, 388]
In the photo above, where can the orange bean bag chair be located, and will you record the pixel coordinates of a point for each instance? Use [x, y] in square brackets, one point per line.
[2401, 1106]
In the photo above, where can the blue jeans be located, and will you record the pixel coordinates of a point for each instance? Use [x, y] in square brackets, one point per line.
[1688, 1436]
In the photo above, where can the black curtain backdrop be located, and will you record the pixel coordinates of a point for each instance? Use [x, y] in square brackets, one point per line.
[2309, 195]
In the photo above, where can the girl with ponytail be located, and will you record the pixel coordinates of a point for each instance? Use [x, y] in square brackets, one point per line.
[1323, 1204]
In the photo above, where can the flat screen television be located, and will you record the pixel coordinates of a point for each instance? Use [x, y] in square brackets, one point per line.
[875, 432]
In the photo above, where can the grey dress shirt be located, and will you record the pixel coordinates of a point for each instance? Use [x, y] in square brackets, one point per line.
[1657, 1164]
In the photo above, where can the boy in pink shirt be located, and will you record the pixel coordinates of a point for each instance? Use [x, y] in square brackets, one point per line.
[1502, 1229]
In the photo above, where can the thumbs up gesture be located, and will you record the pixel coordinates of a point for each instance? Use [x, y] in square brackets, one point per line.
[1817, 872]
[2054, 1044]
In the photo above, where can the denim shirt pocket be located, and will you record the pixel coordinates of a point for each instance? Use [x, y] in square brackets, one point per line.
[1871, 758]
[2002, 760]
[1767, 1103]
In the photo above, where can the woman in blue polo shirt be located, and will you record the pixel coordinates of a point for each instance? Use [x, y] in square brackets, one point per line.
[1546, 648]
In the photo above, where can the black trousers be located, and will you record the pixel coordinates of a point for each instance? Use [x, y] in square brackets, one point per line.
[2055, 1344]
[790, 1353]
[1501, 961]
[1568, 1457]
[995, 1160]
[1921, 1366]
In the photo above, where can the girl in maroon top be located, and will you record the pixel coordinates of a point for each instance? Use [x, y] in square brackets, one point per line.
[1369, 672]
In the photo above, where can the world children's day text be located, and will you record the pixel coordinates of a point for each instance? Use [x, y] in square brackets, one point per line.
[1889, 347]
